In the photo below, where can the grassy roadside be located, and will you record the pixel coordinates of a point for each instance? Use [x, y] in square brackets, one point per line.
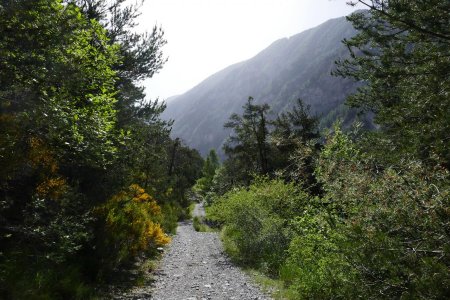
[200, 225]
[123, 281]
[273, 287]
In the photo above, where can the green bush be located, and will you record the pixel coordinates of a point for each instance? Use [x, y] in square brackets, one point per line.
[316, 268]
[256, 228]
[200, 226]
[172, 212]
[394, 220]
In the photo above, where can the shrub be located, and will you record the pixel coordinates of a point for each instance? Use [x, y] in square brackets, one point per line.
[199, 225]
[171, 212]
[256, 221]
[316, 267]
[132, 224]
[394, 219]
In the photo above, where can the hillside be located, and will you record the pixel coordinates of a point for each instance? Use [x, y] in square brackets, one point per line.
[290, 68]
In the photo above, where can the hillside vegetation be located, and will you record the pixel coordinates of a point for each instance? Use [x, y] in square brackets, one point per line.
[352, 214]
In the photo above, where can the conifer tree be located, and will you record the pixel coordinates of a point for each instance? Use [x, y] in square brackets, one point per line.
[402, 55]
[249, 144]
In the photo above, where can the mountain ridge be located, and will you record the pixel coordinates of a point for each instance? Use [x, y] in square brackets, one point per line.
[289, 68]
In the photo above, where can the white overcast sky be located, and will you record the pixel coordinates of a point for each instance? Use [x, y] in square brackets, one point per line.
[205, 36]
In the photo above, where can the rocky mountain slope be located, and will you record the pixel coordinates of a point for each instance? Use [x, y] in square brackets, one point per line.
[290, 68]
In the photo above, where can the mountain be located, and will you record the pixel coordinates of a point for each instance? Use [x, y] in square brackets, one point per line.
[290, 68]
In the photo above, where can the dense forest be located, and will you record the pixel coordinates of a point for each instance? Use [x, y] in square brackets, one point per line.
[91, 180]
[89, 176]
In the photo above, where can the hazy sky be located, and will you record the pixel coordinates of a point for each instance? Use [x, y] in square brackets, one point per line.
[205, 36]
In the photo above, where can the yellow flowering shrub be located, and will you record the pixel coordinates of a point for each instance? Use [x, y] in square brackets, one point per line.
[53, 188]
[40, 155]
[41, 158]
[132, 223]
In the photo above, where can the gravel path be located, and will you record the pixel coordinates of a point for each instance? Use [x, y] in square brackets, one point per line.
[194, 267]
[199, 210]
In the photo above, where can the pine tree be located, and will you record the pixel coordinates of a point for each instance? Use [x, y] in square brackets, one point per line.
[401, 54]
[249, 144]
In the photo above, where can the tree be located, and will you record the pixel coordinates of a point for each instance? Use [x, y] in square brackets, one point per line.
[391, 221]
[295, 137]
[390, 188]
[186, 169]
[57, 97]
[249, 144]
[141, 53]
[57, 91]
[210, 165]
[401, 54]
[76, 132]
[294, 125]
